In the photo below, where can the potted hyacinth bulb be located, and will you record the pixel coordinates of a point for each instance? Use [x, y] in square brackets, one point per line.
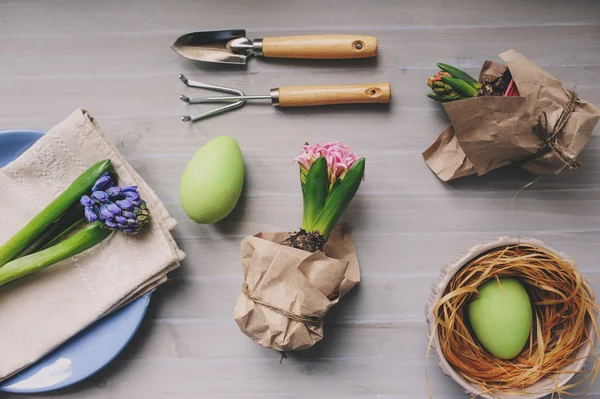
[291, 280]
[330, 175]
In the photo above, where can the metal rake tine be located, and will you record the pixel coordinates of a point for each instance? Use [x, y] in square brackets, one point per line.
[216, 111]
[223, 99]
[207, 86]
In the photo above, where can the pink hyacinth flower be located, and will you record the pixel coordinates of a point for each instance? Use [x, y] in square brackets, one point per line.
[338, 156]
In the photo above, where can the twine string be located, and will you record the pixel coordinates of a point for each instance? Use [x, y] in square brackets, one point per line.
[549, 135]
[307, 320]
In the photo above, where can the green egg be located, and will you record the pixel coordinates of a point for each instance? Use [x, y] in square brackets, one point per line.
[212, 181]
[501, 317]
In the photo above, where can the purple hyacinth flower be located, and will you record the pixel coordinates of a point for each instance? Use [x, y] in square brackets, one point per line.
[87, 202]
[113, 191]
[113, 208]
[105, 213]
[104, 182]
[131, 195]
[100, 196]
[125, 205]
[129, 214]
[90, 215]
[118, 208]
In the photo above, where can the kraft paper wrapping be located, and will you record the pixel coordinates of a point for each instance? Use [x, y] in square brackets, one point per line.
[491, 132]
[299, 285]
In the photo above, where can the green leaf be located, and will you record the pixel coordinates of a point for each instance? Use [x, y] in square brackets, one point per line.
[91, 235]
[73, 216]
[65, 233]
[333, 187]
[82, 185]
[459, 74]
[303, 187]
[339, 199]
[442, 99]
[462, 88]
[317, 187]
[303, 174]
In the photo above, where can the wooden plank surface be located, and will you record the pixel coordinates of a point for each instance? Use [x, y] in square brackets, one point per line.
[113, 59]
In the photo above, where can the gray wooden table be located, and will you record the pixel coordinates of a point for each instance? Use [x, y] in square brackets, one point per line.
[113, 59]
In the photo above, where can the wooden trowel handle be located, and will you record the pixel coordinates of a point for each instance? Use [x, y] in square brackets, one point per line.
[320, 46]
[301, 96]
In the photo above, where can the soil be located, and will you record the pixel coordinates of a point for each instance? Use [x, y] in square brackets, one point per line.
[496, 87]
[310, 241]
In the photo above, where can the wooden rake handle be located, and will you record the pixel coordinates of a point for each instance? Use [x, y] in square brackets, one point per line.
[302, 96]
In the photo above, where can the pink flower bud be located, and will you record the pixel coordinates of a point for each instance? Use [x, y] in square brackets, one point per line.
[338, 156]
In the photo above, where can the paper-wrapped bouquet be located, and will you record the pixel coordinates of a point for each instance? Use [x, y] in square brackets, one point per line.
[514, 114]
[292, 280]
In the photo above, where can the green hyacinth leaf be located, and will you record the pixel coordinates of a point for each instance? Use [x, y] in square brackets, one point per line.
[339, 199]
[442, 99]
[459, 74]
[333, 187]
[303, 173]
[316, 189]
[56, 231]
[91, 235]
[82, 185]
[461, 87]
[303, 186]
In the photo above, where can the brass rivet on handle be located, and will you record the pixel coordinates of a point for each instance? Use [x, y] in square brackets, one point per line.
[358, 45]
[373, 91]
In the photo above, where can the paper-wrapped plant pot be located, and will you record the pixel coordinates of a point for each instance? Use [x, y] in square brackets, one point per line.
[541, 388]
[287, 291]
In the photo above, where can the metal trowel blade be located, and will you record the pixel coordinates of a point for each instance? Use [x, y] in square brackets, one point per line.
[210, 46]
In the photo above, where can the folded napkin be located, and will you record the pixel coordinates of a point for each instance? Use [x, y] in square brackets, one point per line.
[43, 310]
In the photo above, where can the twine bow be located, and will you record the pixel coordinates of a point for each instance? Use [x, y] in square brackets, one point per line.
[542, 130]
[308, 320]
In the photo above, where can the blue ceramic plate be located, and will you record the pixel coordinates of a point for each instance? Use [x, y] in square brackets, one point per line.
[91, 349]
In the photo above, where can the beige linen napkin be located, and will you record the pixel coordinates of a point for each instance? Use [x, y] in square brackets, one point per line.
[43, 310]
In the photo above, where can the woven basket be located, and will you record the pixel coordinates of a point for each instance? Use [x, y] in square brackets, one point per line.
[541, 388]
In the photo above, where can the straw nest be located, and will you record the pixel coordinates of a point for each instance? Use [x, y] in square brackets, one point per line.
[564, 312]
